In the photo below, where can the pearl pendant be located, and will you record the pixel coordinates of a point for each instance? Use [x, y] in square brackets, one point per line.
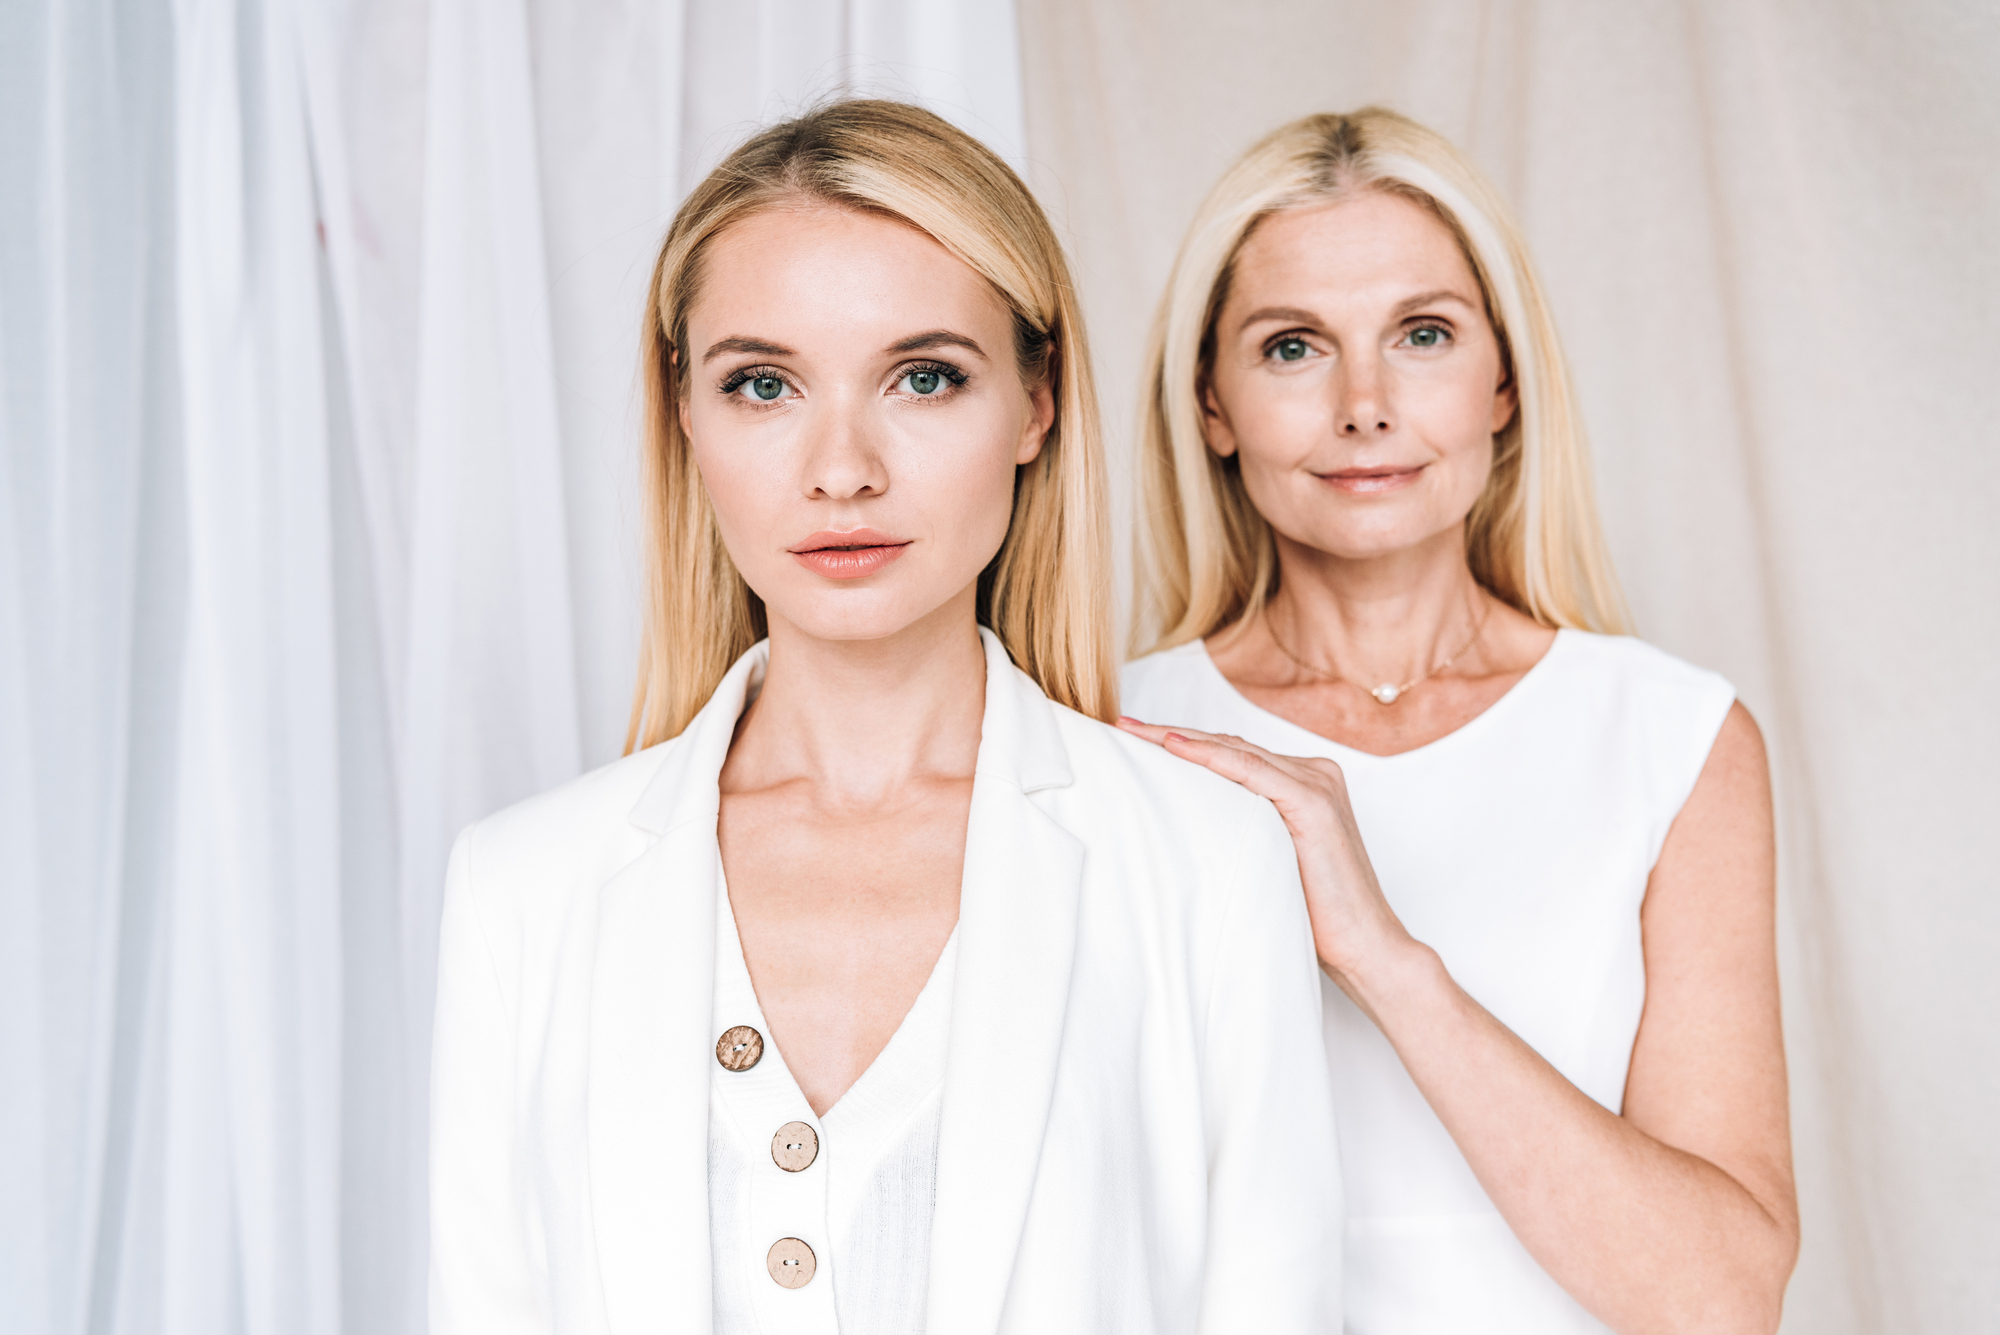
[1385, 693]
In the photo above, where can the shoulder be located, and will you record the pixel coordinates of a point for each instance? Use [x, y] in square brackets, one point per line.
[1632, 668]
[1618, 685]
[1126, 785]
[1661, 716]
[579, 831]
[1173, 845]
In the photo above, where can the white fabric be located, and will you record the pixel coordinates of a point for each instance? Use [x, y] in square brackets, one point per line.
[1134, 1126]
[864, 1204]
[318, 321]
[1517, 847]
[1767, 232]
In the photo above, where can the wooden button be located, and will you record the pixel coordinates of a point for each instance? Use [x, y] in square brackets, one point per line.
[740, 1048]
[791, 1263]
[795, 1147]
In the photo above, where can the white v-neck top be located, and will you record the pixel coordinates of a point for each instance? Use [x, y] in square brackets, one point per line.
[1519, 848]
[863, 1205]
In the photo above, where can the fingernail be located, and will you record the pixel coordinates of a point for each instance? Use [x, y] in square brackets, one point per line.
[1175, 737]
[1127, 718]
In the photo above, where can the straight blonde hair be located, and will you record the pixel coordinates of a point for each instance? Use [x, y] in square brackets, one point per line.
[1045, 594]
[1207, 559]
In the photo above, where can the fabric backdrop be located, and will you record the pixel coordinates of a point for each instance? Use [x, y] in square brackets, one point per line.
[317, 538]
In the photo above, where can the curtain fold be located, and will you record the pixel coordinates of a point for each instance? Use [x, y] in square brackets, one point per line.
[251, 1003]
[91, 548]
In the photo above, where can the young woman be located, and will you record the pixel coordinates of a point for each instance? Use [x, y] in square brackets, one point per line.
[886, 989]
[1553, 1007]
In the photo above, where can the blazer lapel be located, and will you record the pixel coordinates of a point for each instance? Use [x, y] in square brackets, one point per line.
[653, 989]
[1017, 943]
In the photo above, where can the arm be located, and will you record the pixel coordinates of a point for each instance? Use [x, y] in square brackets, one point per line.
[1678, 1215]
[1274, 1220]
[481, 1281]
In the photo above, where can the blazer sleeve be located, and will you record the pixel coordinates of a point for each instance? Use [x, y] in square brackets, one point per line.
[482, 1280]
[1276, 1217]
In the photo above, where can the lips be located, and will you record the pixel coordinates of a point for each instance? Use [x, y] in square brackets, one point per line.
[854, 554]
[1372, 481]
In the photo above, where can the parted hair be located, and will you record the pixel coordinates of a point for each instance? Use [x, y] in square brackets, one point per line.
[1206, 558]
[1045, 594]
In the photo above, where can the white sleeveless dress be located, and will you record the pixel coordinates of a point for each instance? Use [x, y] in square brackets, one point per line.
[1518, 848]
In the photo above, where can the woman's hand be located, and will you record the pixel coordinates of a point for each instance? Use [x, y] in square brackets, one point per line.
[1353, 925]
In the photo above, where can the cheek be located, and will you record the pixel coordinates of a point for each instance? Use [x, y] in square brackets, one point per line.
[1276, 424]
[748, 481]
[962, 484]
[1455, 419]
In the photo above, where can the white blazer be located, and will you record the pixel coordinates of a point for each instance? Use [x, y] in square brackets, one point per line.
[1137, 1130]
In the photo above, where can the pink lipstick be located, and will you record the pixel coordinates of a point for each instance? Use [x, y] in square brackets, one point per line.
[854, 554]
[1371, 481]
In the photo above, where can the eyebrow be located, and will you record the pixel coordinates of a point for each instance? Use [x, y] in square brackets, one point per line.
[1296, 315]
[737, 343]
[759, 347]
[938, 338]
[1283, 314]
[1430, 298]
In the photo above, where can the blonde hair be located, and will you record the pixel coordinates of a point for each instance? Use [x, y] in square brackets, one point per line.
[1045, 593]
[1207, 559]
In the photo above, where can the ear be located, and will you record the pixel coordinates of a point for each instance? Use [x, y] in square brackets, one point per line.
[1506, 402]
[1041, 418]
[1220, 435]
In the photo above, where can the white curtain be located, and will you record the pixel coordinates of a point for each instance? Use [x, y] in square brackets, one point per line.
[318, 322]
[318, 325]
[1768, 228]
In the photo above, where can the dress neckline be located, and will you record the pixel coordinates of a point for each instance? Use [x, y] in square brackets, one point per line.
[907, 1069]
[1471, 727]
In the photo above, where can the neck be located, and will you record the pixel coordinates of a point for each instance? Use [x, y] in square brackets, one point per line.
[860, 719]
[1388, 618]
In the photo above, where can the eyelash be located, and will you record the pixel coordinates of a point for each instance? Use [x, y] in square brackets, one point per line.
[738, 379]
[1443, 330]
[952, 376]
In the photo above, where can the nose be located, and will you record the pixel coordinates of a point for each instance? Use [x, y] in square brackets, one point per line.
[842, 460]
[1361, 405]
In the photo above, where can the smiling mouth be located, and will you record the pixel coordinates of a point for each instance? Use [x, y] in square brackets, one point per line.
[852, 555]
[1371, 481]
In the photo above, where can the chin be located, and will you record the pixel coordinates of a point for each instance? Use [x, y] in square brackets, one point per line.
[1368, 542]
[852, 615]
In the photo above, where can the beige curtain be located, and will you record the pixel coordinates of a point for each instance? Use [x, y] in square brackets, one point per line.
[1769, 230]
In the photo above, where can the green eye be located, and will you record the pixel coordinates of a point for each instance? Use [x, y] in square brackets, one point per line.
[924, 382]
[1291, 349]
[1426, 336]
[767, 387]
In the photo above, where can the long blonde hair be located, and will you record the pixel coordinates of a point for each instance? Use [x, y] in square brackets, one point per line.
[1207, 559]
[1045, 594]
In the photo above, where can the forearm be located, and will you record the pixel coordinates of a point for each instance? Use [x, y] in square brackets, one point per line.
[1646, 1236]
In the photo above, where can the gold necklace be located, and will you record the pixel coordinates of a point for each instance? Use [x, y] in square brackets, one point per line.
[1386, 694]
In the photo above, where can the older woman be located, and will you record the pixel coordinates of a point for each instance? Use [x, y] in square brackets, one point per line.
[1537, 852]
